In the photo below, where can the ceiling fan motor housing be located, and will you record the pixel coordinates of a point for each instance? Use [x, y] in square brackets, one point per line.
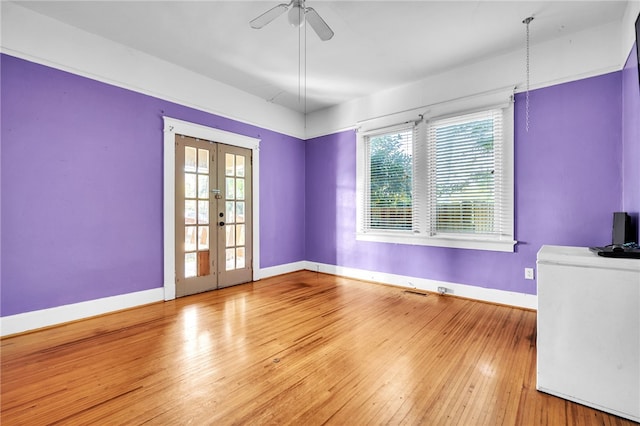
[296, 13]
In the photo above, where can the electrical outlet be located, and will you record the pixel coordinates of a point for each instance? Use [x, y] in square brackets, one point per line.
[528, 274]
[443, 290]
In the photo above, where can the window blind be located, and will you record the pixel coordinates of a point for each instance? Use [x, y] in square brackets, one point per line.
[466, 190]
[389, 180]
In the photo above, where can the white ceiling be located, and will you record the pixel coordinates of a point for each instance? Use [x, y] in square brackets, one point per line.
[377, 44]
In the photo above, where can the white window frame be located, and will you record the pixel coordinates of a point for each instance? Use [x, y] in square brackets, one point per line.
[422, 235]
[366, 140]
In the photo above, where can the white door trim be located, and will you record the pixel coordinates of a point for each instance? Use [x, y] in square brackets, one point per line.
[173, 126]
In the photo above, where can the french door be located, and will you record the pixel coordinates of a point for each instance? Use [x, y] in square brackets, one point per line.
[213, 215]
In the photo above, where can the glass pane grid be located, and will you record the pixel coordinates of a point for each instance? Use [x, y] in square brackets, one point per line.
[235, 228]
[229, 161]
[203, 186]
[190, 265]
[240, 165]
[239, 189]
[203, 161]
[189, 159]
[190, 185]
[239, 235]
[230, 234]
[230, 186]
[196, 212]
[203, 238]
[189, 238]
[230, 211]
[240, 212]
[240, 259]
[230, 263]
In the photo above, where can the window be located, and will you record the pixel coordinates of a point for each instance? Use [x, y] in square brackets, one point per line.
[465, 153]
[443, 181]
[389, 180]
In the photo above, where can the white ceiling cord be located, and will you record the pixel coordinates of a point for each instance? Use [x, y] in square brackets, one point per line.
[302, 66]
[526, 107]
[305, 77]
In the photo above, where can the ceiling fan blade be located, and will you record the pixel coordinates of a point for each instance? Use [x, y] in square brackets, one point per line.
[269, 16]
[317, 23]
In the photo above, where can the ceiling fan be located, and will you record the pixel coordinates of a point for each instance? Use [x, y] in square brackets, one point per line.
[298, 14]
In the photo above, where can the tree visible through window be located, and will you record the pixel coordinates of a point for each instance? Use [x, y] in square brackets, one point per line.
[439, 181]
[464, 173]
[391, 180]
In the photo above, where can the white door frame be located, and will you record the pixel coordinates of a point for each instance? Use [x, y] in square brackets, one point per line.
[173, 126]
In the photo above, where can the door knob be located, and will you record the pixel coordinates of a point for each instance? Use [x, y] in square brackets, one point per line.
[221, 223]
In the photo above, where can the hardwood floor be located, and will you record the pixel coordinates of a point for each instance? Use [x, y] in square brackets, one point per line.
[302, 348]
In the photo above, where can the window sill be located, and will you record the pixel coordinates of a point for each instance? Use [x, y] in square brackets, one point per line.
[439, 241]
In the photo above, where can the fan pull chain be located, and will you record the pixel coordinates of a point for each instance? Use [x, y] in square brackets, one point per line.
[305, 74]
[299, 60]
[526, 108]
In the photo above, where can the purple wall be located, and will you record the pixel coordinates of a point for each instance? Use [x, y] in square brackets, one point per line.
[567, 178]
[631, 137]
[81, 180]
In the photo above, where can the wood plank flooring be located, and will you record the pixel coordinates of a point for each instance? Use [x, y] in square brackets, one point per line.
[302, 348]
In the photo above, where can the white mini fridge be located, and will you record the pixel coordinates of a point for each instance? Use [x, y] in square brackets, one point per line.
[588, 337]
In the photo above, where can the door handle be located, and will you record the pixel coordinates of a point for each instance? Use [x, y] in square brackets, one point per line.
[221, 223]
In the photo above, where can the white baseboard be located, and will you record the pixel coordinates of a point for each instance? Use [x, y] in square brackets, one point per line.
[60, 314]
[272, 271]
[520, 300]
[47, 317]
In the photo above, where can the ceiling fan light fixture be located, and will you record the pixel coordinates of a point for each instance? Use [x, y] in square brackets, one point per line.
[296, 15]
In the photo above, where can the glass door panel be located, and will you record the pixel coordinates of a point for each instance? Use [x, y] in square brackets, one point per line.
[213, 215]
[197, 196]
[234, 191]
[240, 260]
[194, 177]
[236, 243]
[189, 159]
